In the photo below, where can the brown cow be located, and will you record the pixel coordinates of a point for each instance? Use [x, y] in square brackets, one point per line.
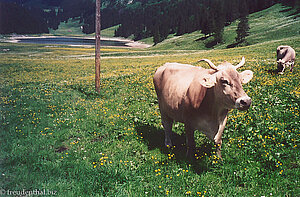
[200, 98]
[285, 57]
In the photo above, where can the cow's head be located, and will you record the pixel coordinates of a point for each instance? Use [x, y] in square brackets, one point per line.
[227, 83]
[280, 66]
[280, 61]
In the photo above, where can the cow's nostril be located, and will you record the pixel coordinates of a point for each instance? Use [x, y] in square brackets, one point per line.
[243, 102]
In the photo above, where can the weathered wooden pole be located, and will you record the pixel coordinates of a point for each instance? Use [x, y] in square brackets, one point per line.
[97, 47]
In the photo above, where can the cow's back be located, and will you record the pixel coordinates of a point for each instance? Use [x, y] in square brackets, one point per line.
[172, 82]
[285, 53]
[172, 75]
[175, 78]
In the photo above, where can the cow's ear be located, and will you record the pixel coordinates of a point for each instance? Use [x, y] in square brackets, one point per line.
[208, 81]
[246, 76]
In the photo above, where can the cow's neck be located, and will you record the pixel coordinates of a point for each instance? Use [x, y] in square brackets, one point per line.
[211, 116]
[213, 107]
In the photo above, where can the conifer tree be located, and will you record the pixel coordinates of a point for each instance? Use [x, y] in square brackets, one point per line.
[156, 35]
[242, 30]
[218, 20]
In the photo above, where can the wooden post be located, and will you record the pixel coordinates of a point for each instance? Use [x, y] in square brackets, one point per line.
[97, 47]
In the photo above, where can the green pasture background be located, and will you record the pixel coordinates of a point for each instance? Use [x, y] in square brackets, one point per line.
[58, 134]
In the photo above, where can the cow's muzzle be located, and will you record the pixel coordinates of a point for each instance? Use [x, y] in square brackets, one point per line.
[243, 103]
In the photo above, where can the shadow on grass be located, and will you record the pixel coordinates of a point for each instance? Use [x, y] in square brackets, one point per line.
[203, 38]
[272, 71]
[294, 13]
[154, 138]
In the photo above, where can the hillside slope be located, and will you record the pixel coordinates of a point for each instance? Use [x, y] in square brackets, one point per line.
[275, 23]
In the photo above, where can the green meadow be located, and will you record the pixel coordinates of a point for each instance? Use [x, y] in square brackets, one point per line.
[58, 134]
[275, 23]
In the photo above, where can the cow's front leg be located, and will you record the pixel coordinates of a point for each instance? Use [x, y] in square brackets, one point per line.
[218, 148]
[190, 141]
[280, 68]
[218, 136]
[283, 68]
[167, 124]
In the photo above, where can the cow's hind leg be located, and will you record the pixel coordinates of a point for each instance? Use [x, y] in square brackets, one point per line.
[167, 124]
[292, 66]
[190, 142]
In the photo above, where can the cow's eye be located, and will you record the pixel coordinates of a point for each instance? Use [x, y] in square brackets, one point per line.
[225, 82]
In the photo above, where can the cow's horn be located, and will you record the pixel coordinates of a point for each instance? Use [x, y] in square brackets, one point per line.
[241, 63]
[209, 63]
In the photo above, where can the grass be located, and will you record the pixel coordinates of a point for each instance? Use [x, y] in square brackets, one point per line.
[109, 32]
[57, 134]
[73, 28]
[275, 23]
[70, 28]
